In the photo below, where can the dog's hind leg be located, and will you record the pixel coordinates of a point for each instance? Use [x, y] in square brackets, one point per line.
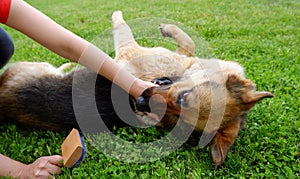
[186, 45]
[122, 34]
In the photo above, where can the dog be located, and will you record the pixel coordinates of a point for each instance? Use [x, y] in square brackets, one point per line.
[208, 95]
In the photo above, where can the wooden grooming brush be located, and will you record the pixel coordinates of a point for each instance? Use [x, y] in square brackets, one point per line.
[73, 149]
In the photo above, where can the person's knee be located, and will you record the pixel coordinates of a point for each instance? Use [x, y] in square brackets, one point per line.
[6, 47]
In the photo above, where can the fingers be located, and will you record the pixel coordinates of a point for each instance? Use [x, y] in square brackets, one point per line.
[53, 169]
[151, 84]
[53, 165]
[55, 160]
[46, 167]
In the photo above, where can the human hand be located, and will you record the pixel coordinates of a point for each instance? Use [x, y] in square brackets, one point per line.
[148, 85]
[139, 86]
[42, 168]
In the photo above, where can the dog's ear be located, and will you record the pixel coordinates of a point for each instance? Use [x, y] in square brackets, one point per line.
[245, 90]
[222, 142]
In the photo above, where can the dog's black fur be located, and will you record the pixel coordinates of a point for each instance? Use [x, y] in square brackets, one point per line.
[47, 102]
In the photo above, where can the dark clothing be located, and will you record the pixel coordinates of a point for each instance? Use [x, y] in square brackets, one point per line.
[6, 47]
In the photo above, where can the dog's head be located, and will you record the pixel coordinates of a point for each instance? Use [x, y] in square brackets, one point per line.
[195, 103]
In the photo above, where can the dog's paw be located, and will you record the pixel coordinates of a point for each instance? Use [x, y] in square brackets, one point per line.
[162, 81]
[117, 17]
[65, 66]
[167, 30]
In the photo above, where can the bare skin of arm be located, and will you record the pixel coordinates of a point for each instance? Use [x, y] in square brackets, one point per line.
[44, 167]
[61, 41]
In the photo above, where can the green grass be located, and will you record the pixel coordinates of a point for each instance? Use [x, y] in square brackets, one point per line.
[262, 35]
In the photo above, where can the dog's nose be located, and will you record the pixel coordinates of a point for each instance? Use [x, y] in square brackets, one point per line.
[142, 104]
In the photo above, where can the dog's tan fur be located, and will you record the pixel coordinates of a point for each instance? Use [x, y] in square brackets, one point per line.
[199, 80]
[240, 95]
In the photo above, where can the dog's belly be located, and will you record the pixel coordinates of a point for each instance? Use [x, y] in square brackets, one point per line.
[150, 63]
[150, 67]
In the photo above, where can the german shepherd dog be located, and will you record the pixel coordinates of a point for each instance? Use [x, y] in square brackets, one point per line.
[190, 88]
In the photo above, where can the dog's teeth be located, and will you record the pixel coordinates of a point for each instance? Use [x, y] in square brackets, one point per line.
[153, 116]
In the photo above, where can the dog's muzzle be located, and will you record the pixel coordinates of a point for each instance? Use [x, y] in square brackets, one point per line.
[142, 103]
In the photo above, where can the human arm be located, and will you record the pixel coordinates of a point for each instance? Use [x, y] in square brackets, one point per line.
[48, 33]
[43, 167]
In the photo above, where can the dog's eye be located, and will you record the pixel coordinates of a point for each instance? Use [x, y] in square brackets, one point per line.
[182, 98]
[162, 81]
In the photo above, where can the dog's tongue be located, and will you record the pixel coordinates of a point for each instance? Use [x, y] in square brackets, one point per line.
[153, 116]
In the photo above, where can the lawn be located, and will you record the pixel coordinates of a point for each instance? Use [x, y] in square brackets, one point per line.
[262, 35]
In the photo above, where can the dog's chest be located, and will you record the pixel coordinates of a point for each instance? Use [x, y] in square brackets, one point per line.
[150, 67]
[212, 71]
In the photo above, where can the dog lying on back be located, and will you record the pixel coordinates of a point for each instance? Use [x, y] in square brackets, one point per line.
[211, 96]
